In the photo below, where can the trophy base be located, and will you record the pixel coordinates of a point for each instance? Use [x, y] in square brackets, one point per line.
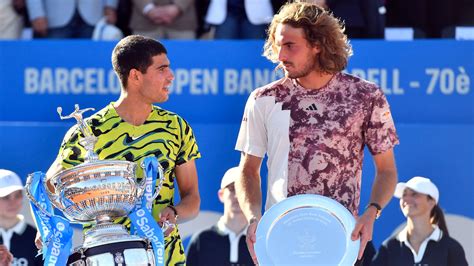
[111, 244]
[135, 252]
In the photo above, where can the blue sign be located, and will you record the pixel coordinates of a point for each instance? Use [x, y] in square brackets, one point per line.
[428, 85]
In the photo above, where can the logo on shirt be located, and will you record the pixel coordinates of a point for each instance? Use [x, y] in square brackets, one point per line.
[136, 137]
[312, 107]
[385, 117]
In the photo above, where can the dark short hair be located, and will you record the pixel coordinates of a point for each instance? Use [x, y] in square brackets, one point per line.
[321, 29]
[134, 52]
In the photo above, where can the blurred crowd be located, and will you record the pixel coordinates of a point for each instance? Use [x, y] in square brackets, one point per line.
[218, 19]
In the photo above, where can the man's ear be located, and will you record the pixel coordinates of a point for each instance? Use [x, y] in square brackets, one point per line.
[316, 48]
[220, 195]
[134, 76]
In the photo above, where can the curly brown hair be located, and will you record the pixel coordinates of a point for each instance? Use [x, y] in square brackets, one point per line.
[321, 29]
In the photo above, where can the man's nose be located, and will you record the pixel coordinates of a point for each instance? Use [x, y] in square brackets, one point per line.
[281, 55]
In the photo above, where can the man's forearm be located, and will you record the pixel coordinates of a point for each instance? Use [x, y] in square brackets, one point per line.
[384, 186]
[188, 207]
[249, 195]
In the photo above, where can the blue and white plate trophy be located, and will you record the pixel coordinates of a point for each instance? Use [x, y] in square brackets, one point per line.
[306, 230]
[97, 192]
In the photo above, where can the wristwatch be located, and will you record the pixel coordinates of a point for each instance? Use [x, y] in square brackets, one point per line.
[176, 216]
[377, 207]
[253, 220]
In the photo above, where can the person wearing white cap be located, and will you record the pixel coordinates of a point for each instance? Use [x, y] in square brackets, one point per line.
[425, 239]
[224, 243]
[15, 234]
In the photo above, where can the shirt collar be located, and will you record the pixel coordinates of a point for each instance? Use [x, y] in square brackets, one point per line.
[225, 230]
[435, 235]
[19, 227]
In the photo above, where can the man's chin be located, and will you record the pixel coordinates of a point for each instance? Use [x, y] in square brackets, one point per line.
[162, 100]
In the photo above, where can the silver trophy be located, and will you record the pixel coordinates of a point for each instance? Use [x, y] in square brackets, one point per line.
[306, 230]
[97, 192]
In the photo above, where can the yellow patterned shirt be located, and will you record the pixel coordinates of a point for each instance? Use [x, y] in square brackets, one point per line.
[164, 135]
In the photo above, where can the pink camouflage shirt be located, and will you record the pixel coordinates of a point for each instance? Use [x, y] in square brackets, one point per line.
[315, 139]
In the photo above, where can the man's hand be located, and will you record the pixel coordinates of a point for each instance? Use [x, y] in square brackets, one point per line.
[6, 258]
[38, 242]
[170, 13]
[364, 228]
[165, 14]
[167, 214]
[155, 14]
[251, 239]
[40, 26]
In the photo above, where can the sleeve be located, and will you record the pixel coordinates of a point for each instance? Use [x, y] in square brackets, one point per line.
[192, 254]
[381, 257]
[35, 9]
[252, 138]
[140, 4]
[188, 150]
[380, 134]
[456, 255]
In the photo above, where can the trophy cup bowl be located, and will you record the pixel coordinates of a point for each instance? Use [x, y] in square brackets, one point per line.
[96, 191]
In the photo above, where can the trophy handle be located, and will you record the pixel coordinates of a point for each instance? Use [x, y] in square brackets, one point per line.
[32, 199]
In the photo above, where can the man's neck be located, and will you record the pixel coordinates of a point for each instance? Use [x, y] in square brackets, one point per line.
[235, 223]
[7, 223]
[132, 110]
[315, 80]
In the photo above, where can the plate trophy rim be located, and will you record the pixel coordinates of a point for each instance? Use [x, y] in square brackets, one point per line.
[275, 213]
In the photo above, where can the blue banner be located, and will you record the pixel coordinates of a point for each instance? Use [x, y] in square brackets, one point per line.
[56, 234]
[42, 213]
[60, 244]
[425, 78]
[143, 222]
[428, 85]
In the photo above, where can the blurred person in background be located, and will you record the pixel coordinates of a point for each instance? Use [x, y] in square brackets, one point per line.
[124, 13]
[59, 19]
[164, 19]
[11, 18]
[239, 19]
[362, 18]
[15, 234]
[425, 239]
[224, 243]
[430, 18]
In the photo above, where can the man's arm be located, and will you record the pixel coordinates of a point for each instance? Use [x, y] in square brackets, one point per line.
[188, 207]
[249, 196]
[382, 191]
